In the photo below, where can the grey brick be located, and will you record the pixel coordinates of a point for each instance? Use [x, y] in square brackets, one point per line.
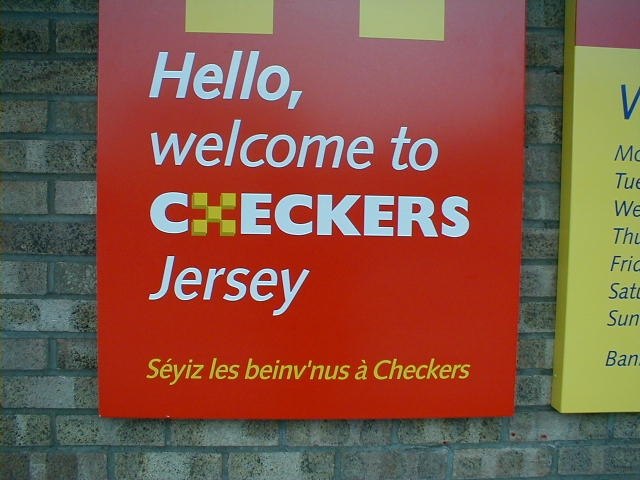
[544, 126]
[538, 281]
[627, 426]
[553, 426]
[48, 315]
[53, 6]
[18, 197]
[73, 117]
[49, 392]
[92, 430]
[92, 466]
[173, 465]
[75, 197]
[452, 430]
[545, 49]
[38, 392]
[338, 432]
[23, 116]
[416, 464]
[224, 433]
[545, 13]
[77, 354]
[540, 243]
[48, 156]
[543, 163]
[598, 460]
[75, 278]
[48, 238]
[23, 353]
[14, 466]
[281, 466]
[67, 465]
[535, 353]
[25, 430]
[544, 88]
[23, 278]
[61, 77]
[501, 463]
[57, 465]
[77, 36]
[537, 317]
[85, 392]
[24, 35]
[19, 315]
[533, 390]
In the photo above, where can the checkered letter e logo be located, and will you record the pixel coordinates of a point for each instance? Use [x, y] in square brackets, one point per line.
[213, 214]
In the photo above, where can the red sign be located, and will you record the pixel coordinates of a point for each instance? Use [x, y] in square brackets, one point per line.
[310, 212]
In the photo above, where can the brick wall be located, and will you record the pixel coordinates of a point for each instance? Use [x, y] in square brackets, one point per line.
[49, 428]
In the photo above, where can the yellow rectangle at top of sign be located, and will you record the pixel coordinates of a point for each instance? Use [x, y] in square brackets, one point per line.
[402, 19]
[224, 16]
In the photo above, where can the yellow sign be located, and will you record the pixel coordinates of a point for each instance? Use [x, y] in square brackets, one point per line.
[400, 19]
[597, 358]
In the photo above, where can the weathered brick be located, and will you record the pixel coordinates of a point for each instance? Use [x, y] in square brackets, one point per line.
[173, 465]
[23, 278]
[627, 426]
[24, 35]
[338, 432]
[452, 430]
[535, 353]
[75, 197]
[75, 278]
[281, 466]
[92, 430]
[395, 464]
[48, 238]
[597, 460]
[545, 13]
[533, 390]
[38, 392]
[224, 433]
[23, 116]
[73, 117]
[23, 198]
[24, 353]
[85, 392]
[501, 463]
[48, 315]
[77, 354]
[25, 430]
[75, 466]
[538, 281]
[553, 426]
[61, 77]
[53, 6]
[544, 88]
[77, 36]
[49, 392]
[14, 466]
[543, 163]
[537, 317]
[544, 126]
[540, 243]
[48, 156]
[545, 49]
[541, 203]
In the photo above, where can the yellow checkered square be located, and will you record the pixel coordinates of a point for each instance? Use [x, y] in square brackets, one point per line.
[402, 19]
[229, 16]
